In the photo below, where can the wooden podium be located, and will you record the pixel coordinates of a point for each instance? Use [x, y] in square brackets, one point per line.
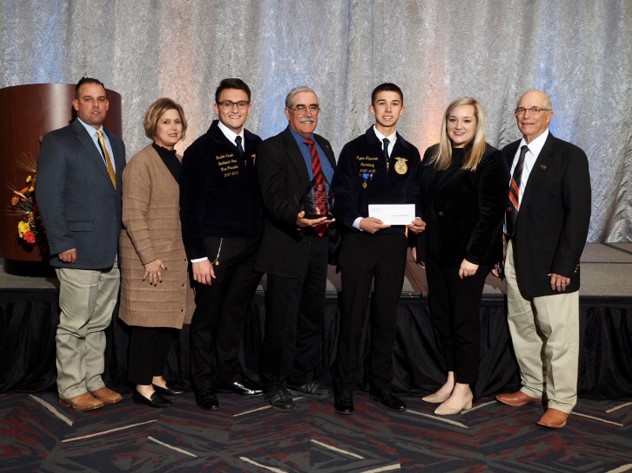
[28, 113]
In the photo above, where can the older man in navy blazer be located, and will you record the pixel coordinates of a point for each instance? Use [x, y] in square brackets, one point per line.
[546, 228]
[79, 195]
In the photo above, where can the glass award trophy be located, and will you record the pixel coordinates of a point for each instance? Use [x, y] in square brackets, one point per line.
[316, 202]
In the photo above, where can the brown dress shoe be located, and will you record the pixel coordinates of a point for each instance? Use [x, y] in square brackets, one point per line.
[553, 419]
[83, 402]
[106, 395]
[517, 399]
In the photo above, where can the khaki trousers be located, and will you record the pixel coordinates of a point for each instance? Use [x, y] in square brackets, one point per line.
[545, 335]
[87, 299]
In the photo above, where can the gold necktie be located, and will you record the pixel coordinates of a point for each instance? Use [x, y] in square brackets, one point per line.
[108, 160]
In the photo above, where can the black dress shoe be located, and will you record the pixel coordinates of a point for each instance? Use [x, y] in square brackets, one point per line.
[168, 390]
[280, 399]
[239, 388]
[343, 402]
[207, 400]
[386, 397]
[156, 400]
[311, 389]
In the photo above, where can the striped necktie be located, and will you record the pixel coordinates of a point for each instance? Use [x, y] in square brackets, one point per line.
[513, 201]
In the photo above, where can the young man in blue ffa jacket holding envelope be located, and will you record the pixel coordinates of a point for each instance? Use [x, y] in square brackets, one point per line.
[382, 168]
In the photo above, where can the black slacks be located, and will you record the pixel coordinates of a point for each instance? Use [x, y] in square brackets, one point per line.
[455, 310]
[147, 353]
[218, 321]
[366, 258]
[294, 321]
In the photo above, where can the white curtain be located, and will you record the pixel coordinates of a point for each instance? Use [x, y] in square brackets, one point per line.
[578, 51]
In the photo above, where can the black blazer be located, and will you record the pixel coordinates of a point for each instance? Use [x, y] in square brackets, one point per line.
[283, 180]
[79, 206]
[464, 210]
[552, 225]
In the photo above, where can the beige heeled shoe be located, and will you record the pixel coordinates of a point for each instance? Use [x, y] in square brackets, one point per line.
[444, 410]
[435, 398]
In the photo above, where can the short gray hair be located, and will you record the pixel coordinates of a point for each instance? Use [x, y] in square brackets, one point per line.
[296, 90]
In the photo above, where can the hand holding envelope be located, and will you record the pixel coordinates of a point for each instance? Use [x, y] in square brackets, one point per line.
[384, 215]
[372, 225]
[393, 214]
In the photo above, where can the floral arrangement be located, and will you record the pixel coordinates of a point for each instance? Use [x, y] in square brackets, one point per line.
[23, 203]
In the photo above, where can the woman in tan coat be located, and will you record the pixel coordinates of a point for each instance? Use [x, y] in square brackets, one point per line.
[156, 297]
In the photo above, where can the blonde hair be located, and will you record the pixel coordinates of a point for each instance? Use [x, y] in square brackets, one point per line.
[156, 110]
[474, 150]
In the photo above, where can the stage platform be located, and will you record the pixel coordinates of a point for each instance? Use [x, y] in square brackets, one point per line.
[29, 314]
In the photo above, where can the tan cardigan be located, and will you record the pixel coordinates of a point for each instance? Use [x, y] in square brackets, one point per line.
[151, 229]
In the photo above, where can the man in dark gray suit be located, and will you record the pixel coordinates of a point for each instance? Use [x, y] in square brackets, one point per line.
[293, 168]
[79, 195]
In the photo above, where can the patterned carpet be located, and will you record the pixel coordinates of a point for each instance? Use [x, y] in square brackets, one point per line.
[246, 435]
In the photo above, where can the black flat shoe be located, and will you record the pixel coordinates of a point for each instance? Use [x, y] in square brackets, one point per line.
[207, 400]
[156, 400]
[168, 390]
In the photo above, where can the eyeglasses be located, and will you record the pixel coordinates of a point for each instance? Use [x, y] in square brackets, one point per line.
[302, 109]
[229, 104]
[535, 111]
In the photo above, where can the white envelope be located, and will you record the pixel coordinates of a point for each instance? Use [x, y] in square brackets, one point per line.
[393, 214]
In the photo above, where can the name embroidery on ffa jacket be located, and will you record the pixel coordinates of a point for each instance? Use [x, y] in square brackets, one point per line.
[227, 164]
[366, 168]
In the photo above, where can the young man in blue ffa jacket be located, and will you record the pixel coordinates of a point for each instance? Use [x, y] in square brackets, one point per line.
[379, 167]
[222, 220]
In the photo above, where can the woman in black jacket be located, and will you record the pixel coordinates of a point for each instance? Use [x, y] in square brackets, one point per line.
[464, 190]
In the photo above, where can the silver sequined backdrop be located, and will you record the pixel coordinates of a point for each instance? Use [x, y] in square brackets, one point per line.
[579, 51]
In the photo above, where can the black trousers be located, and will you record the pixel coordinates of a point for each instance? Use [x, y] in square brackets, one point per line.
[147, 353]
[366, 258]
[295, 310]
[455, 310]
[217, 326]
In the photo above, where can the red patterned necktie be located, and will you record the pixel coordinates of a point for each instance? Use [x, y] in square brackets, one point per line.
[513, 202]
[320, 191]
